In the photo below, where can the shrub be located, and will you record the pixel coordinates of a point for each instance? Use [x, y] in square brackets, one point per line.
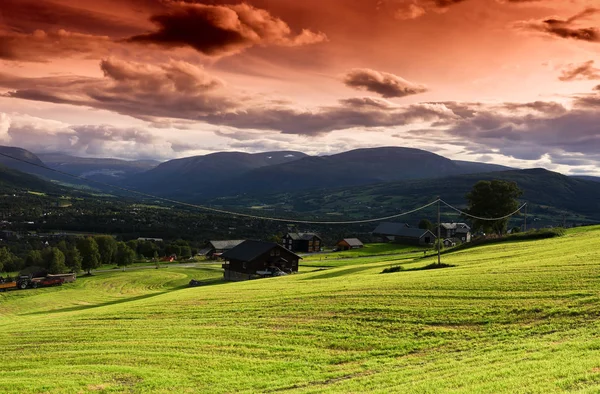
[396, 268]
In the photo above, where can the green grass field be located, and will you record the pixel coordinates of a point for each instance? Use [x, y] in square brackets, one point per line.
[368, 254]
[511, 317]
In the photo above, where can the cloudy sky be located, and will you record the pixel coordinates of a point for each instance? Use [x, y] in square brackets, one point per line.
[513, 82]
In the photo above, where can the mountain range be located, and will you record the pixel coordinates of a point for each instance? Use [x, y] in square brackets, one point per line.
[354, 181]
[234, 173]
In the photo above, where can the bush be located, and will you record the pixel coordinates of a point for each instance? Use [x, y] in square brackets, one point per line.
[396, 268]
[434, 266]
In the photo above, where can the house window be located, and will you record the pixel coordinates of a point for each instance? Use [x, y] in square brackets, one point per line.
[272, 253]
[277, 252]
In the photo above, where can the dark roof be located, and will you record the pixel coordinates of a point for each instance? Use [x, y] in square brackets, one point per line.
[352, 241]
[303, 236]
[204, 251]
[250, 250]
[400, 230]
[226, 245]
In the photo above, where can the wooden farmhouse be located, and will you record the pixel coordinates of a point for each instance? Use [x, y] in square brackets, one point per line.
[302, 242]
[458, 232]
[400, 233]
[349, 243]
[249, 258]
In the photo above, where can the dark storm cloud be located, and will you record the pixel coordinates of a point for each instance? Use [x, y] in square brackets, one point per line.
[222, 29]
[584, 71]
[565, 28]
[385, 84]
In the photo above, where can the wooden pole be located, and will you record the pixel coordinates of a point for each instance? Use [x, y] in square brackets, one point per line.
[439, 242]
[525, 227]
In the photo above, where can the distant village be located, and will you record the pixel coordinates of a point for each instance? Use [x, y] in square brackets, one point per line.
[246, 259]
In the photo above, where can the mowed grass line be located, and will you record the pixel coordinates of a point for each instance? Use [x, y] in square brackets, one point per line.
[515, 318]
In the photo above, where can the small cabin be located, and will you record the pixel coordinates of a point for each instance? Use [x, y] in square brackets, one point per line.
[302, 242]
[349, 243]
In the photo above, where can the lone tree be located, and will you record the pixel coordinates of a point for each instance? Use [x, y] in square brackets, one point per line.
[493, 199]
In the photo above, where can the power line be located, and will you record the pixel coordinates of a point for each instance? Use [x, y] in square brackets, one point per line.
[480, 218]
[215, 210]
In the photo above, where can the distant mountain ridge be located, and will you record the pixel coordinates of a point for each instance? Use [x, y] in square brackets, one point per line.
[12, 180]
[200, 176]
[352, 168]
[25, 156]
[101, 169]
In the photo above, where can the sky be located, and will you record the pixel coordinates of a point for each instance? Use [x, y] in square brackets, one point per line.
[512, 82]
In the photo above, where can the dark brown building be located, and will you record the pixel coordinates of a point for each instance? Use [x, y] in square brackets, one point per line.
[251, 259]
[349, 243]
[302, 242]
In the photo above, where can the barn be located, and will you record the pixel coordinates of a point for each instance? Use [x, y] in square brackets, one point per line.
[302, 242]
[349, 243]
[246, 260]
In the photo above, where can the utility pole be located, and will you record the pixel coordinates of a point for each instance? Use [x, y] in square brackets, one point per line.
[439, 242]
[525, 229]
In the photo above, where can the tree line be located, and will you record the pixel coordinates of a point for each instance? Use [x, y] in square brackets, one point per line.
[86, 254]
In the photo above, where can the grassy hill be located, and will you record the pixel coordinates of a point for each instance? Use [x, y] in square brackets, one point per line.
[549, 194]
[513, 317]
[12, 180]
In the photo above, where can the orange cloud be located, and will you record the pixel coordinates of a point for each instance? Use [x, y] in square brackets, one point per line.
[40, 46]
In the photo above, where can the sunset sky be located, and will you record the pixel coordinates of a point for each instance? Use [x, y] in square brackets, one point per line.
[514, 82]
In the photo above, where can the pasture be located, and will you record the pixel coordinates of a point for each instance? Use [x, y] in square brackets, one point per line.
[512, 317]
